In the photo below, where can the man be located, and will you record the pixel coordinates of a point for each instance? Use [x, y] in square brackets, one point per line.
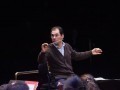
[59, 54]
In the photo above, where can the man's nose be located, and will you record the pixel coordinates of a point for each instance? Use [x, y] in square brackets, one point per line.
[54, 36]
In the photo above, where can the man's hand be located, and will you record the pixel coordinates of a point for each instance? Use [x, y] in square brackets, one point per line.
[96, 51]
[44, 47]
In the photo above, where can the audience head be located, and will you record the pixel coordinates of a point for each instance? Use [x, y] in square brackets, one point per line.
[18, 85]
[73, 83]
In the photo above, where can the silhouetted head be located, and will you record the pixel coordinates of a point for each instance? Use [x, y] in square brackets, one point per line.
[89, 82]
[18, 86]
[73, 83]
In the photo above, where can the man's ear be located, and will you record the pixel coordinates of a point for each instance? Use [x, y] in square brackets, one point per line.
[62, 36]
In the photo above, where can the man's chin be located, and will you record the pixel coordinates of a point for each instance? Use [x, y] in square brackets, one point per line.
[56, 42]
[53, 41]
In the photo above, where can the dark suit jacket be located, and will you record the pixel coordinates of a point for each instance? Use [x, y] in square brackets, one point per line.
[61, 65]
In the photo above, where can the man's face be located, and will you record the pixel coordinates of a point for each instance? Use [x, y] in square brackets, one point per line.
[56, 36]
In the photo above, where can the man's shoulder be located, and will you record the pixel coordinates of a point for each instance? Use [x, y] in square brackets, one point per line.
[67, 44]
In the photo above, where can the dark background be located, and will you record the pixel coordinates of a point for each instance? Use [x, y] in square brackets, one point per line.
[25, 25]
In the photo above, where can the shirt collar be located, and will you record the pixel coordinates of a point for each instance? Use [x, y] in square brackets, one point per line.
[63, 44]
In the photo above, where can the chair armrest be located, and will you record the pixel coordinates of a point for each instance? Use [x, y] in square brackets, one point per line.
[25, 72]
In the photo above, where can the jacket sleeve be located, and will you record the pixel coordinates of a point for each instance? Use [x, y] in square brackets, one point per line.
[41, 57]
[79, 55]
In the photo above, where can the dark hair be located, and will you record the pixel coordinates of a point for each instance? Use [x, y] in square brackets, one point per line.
[73, 83]
[59, 28]
[4, 86]
[89, 82]
[18, 86]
